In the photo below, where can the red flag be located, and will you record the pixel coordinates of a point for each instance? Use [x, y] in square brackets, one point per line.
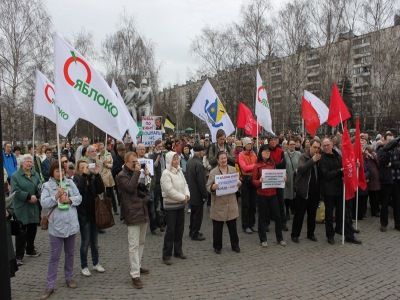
[246, 120]
[349, 166]
[337, 108]
[310, 117]
[358, 156]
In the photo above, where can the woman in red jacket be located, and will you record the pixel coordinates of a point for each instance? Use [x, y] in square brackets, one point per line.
[267, 200]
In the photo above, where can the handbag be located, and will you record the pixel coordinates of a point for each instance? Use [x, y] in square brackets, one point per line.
[16, 226]
[320, 216]
[44, 220]
[103, 212]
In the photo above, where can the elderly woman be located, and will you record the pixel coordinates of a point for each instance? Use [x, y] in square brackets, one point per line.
[90, 185]
[63, 225]
[175, 192]
[26, 185]
[223, 208]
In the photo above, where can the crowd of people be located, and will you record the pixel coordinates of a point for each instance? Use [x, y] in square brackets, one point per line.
[184, 181]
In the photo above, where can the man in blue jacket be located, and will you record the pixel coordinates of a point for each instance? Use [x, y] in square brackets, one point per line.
[9, 161]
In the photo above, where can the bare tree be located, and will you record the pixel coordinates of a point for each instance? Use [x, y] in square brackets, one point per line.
[23, 47]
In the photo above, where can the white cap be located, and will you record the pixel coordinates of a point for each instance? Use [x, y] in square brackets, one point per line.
[206, 135]
[246, 140]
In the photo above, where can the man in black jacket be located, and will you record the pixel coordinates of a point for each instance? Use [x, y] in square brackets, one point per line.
[196, 179]
[389, 174]
[332, 193]
[307, 184]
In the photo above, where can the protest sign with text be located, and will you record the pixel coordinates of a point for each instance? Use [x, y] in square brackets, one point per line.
[273, 178]
[227, 184]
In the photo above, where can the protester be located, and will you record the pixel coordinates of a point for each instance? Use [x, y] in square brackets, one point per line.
[9, 161]
[332, 193]
[196, 179]
[63, 225]
[185, 156]
[389, 167]
[69, 152]
[26, 185]
[223, 208]
[46, 163]
[247, 162]
[307, 185]
[108, 180]
[37, 163]
[220, 145]
[176, 195]
[13, 267]
[78, 153]
[292, 156]
[267, 201]
[90, 186]
[134, 197]
[374, 185]
[159, 166]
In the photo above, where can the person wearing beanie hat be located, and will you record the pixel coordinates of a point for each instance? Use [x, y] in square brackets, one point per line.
[247, 161]
[220, 145]
[196, 179]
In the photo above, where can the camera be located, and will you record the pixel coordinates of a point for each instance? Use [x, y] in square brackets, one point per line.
[143, 166]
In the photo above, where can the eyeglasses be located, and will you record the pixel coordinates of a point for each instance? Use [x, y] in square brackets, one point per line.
[292, 144]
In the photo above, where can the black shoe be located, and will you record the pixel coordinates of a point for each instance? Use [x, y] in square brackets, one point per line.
[236, 249]
[34, 253]
[331, 241]
[167, 260]
[339, 232]
[181, 256]
[295, 239]
[312, 238]
[154, 232]
[397, 228]
[198, 238]
[217, 251]
[352, 241]
[285, 228]
[101, 231]
[267, 230]
[200, 234]
[355, 230]
[383, 229]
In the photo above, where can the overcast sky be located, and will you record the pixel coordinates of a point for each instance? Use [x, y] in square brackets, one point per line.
[170, 24]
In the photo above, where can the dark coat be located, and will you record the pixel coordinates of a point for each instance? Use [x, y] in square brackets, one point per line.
[331, 174]
[302, 181]
[118, 162]
[133, 203]
[46, 168]
[89, 187]
[212, 155]
[386, 163]
[371, 166]
[196, 180]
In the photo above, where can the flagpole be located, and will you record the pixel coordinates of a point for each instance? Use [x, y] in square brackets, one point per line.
[344, 189]
[357, 196]
[257, 135]
[58, 142]
[33, 134]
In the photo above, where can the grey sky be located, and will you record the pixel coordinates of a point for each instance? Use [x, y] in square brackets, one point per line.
[170, 24]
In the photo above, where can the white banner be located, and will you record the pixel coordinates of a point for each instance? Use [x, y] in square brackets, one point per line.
[44, 105]
[84, 93]
[273, 178]
[227, 184]
[149, 164]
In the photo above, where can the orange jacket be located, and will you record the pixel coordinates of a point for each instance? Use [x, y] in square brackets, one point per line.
[247, 161]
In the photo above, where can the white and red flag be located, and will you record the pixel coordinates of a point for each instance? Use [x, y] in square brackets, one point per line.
[45, 106]
[83, 92]
[314, 112]
[263, 111]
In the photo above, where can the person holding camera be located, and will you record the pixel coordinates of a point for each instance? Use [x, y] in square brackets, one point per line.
[176, 195]
[26, 185]
[134, 197]
[90, 185]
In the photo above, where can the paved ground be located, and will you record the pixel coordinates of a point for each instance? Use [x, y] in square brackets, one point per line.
[300, 271]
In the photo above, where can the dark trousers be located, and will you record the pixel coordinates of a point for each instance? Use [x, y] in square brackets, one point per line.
[110, 193]
[280, 193]
[152, 212]
[174, 232]
[332, 202]
[218, 227]
[374, 202]
[248, 203]
[390, 192]
[302, 206]
[362, 207]
[25, 241]
[196, 218]
[269, 207]
[159, 206]
[89, 234]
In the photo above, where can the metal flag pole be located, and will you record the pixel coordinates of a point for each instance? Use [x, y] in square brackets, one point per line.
[357, 196]
[344, 190]
[33, 136]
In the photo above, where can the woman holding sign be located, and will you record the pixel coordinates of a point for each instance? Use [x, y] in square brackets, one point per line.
[267, 200]
[224, 208]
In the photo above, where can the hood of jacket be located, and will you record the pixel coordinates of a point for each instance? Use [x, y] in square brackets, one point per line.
[168, 161]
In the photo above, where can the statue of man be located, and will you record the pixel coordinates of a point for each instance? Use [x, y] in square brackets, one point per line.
[144, 104]
[130, 97]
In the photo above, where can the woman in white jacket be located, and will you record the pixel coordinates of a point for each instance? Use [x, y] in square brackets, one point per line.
[175, 192]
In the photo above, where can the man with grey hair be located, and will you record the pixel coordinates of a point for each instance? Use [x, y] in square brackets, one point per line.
[85, 144]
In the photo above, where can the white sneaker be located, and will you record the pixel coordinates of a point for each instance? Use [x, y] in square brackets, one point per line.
[264, 244]
[86, 272]
[99, 268]
[282, 243]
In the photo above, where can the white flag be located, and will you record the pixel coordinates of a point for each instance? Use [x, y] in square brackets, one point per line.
[84, 93]
[44, 105]
[263, 112]
[133, 129]
[210, 109]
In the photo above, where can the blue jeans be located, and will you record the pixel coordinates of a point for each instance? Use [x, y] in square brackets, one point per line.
[89, 234]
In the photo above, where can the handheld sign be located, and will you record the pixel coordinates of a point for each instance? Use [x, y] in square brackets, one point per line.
[273, 178]
[227, 184]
